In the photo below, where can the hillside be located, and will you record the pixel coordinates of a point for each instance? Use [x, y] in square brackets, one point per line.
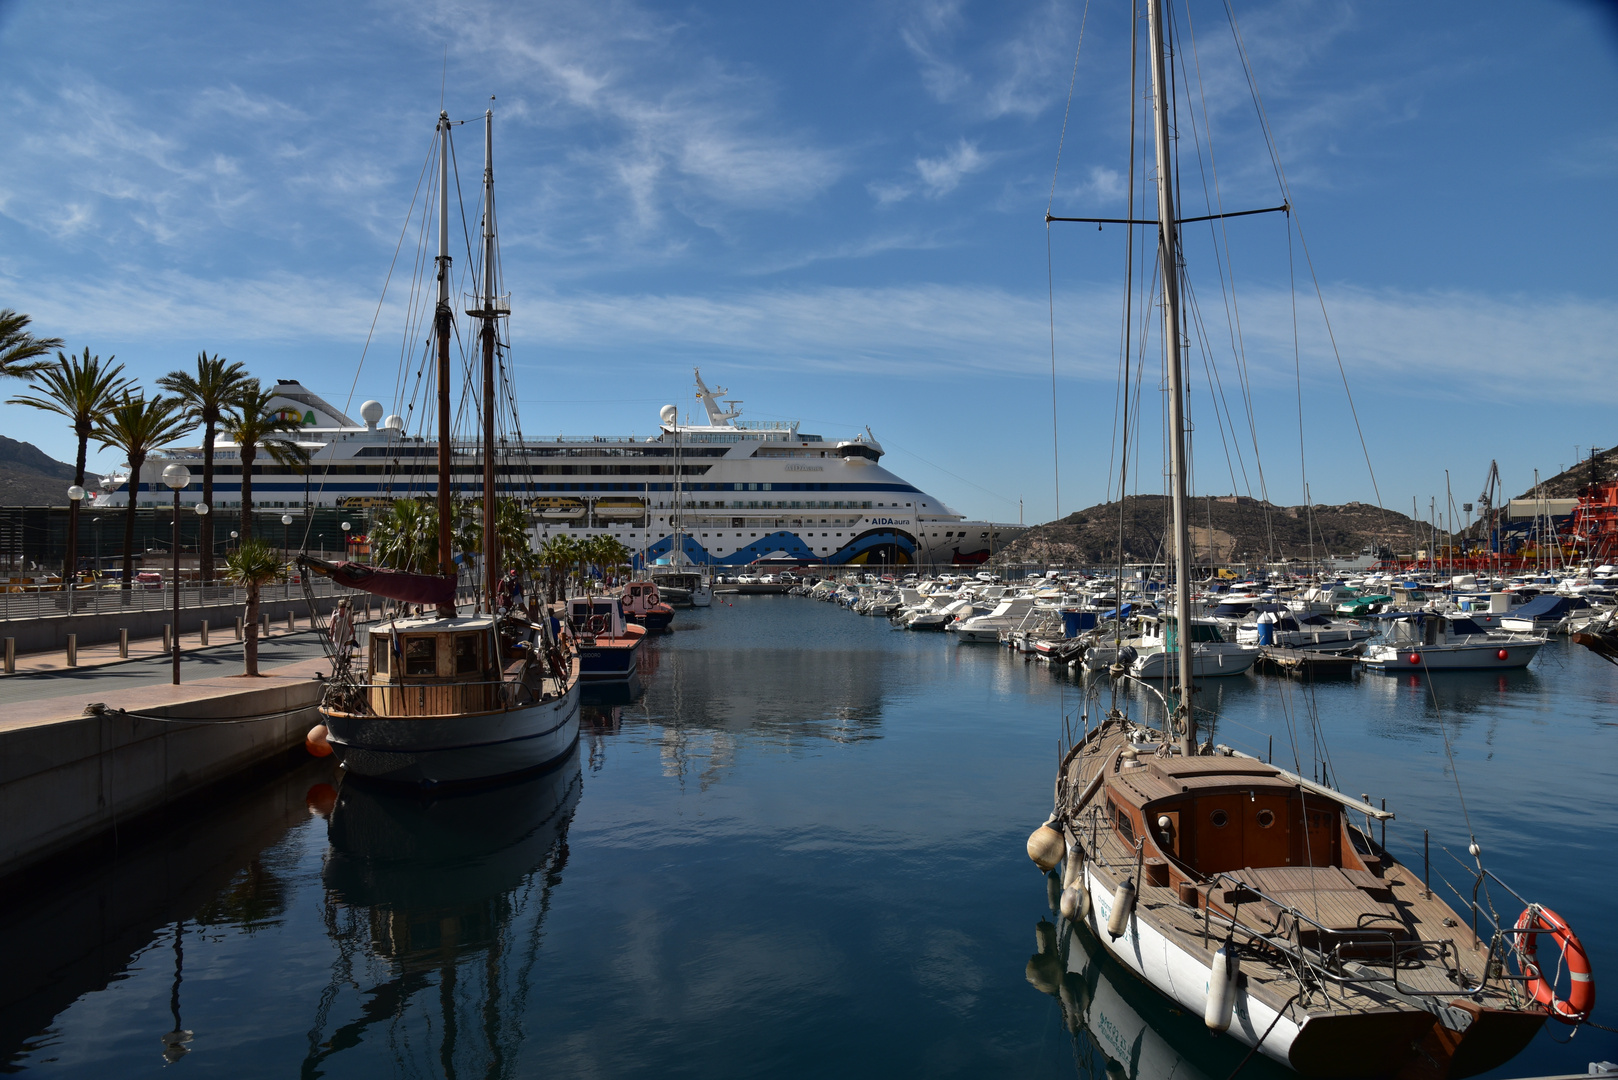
[28, 477]
[1566, 485]
[1243, 530]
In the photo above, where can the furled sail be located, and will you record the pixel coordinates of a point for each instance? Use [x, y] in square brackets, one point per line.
[398, 585]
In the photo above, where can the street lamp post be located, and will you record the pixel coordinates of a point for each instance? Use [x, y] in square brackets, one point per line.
[286, 524]
[177, 477]
[346, 526]
[70, 572]
[202, 510]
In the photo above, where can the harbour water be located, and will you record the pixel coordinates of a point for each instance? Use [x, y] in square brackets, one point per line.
[799, 851]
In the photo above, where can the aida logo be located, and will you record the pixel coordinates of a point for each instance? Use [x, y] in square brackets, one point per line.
[307, 419]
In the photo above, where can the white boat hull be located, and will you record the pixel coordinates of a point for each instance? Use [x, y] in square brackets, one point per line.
[1484, 657]
[1182, 977]
[428, 751]
[1205, 663]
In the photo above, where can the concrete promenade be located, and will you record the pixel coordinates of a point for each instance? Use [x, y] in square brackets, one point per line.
[69, 774]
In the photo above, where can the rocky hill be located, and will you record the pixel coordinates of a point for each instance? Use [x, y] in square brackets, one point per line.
[1242, 530]
[29, 477]
[1566, 485]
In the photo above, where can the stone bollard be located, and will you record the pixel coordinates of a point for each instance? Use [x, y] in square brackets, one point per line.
[238, 628]
[168, 639]
[264, 618]
[11, 656]
[73, 650]
[123, 643]
[292, 622]
[204, 633]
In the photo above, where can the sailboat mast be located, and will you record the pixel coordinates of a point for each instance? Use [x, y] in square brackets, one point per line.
[1169, 258]
[442, 323]
[491, 538]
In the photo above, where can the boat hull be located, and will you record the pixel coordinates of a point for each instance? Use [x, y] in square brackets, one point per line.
[430, 751]
[608, 660]
[1443, 658]
[1205, 664]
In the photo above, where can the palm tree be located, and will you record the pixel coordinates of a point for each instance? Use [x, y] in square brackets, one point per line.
[557, 555]
[206, 395]
[254, 564]
[405, 535]
[19, 349]
[253, 427]
[137, 426]
[81, 389]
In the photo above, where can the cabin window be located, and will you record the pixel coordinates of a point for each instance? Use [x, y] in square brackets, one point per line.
[1219, 818]
[421, 658]
[466, 654]
[380, 654]
[1265, 818]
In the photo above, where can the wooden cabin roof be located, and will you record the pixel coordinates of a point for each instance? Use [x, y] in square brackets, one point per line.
[1164, 777]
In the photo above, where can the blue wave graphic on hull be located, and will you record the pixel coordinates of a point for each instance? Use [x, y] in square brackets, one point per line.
[790, 543]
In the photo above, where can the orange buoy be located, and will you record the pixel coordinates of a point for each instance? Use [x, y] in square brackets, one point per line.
[315, 742]
[1581, 996]
[321, 799]
[1415, 658]
[1502, 654]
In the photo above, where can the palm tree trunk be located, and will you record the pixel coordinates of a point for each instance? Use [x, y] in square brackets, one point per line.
[135, 465]
[247, 455]
[205, 525]
[71, 564]
[250, 633]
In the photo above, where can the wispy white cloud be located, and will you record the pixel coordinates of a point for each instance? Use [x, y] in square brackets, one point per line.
[1011, 73]
[935, 177]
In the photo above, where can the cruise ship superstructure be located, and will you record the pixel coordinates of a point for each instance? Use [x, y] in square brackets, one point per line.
[748, 489]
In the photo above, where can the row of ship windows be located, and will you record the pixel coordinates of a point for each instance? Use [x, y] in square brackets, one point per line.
[422, 468]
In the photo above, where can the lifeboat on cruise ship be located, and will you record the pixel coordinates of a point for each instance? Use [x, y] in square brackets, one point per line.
[559, 508]
[620, 509]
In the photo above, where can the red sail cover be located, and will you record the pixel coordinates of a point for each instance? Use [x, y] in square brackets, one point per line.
[393, 584]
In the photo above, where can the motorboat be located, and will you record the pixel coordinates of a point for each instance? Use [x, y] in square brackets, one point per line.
[1007, 615]
[607, 641]
[1211, 654]
[643, 605]
[1290, 631]
[1433, 641]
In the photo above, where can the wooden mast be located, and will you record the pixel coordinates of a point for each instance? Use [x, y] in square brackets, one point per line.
[446, 558]
[1169, 257]
[491, 539]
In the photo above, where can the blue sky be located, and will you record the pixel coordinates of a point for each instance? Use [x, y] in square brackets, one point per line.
[836, 209]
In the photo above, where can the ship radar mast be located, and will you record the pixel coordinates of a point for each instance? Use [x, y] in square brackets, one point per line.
[718, 415]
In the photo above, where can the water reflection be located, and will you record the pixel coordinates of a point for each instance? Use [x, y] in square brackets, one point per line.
[1123, 1028]
[437, 908]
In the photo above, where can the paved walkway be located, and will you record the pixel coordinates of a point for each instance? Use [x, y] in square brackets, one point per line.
[101, 673]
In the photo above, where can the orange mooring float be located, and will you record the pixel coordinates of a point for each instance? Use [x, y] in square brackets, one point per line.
[1581, 997]
[315, 742]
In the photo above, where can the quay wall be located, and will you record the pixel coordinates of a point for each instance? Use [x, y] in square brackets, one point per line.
[49, 633]
[66, 778]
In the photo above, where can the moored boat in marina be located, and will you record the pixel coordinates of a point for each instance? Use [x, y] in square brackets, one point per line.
[444, 698]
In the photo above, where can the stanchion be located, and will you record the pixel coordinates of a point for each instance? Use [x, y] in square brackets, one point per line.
[292, 622]
[11, 656]
[238, 628]
[205, 632]
[123, 643]
[73, 650]
[168, 638]
[265, 619]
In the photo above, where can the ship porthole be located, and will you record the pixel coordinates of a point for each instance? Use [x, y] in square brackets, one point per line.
[1266, 818]
[1219, 818]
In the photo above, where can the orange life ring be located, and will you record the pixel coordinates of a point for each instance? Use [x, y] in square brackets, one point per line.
[1581, 997]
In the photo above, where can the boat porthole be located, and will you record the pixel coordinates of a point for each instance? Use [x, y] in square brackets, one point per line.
[1266, 818]
[1219, 818]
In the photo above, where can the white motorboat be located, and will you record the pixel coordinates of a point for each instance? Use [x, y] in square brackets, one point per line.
[1211, 654]
[1007, 615]
[1431, 641]
[1313, 632]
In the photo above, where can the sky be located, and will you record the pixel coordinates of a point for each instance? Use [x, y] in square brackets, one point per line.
[837, 211]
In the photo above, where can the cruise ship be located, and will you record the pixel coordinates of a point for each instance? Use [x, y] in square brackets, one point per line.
[733, 491]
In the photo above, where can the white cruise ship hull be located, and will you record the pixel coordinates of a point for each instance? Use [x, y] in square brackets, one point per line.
[427, 751]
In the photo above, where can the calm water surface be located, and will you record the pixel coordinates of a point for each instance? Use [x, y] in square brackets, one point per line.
[799, 852]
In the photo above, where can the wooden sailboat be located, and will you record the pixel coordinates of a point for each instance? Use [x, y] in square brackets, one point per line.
[450, 698]
[1250, 895]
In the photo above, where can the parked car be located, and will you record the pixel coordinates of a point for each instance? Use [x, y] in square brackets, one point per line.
[149, 579]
